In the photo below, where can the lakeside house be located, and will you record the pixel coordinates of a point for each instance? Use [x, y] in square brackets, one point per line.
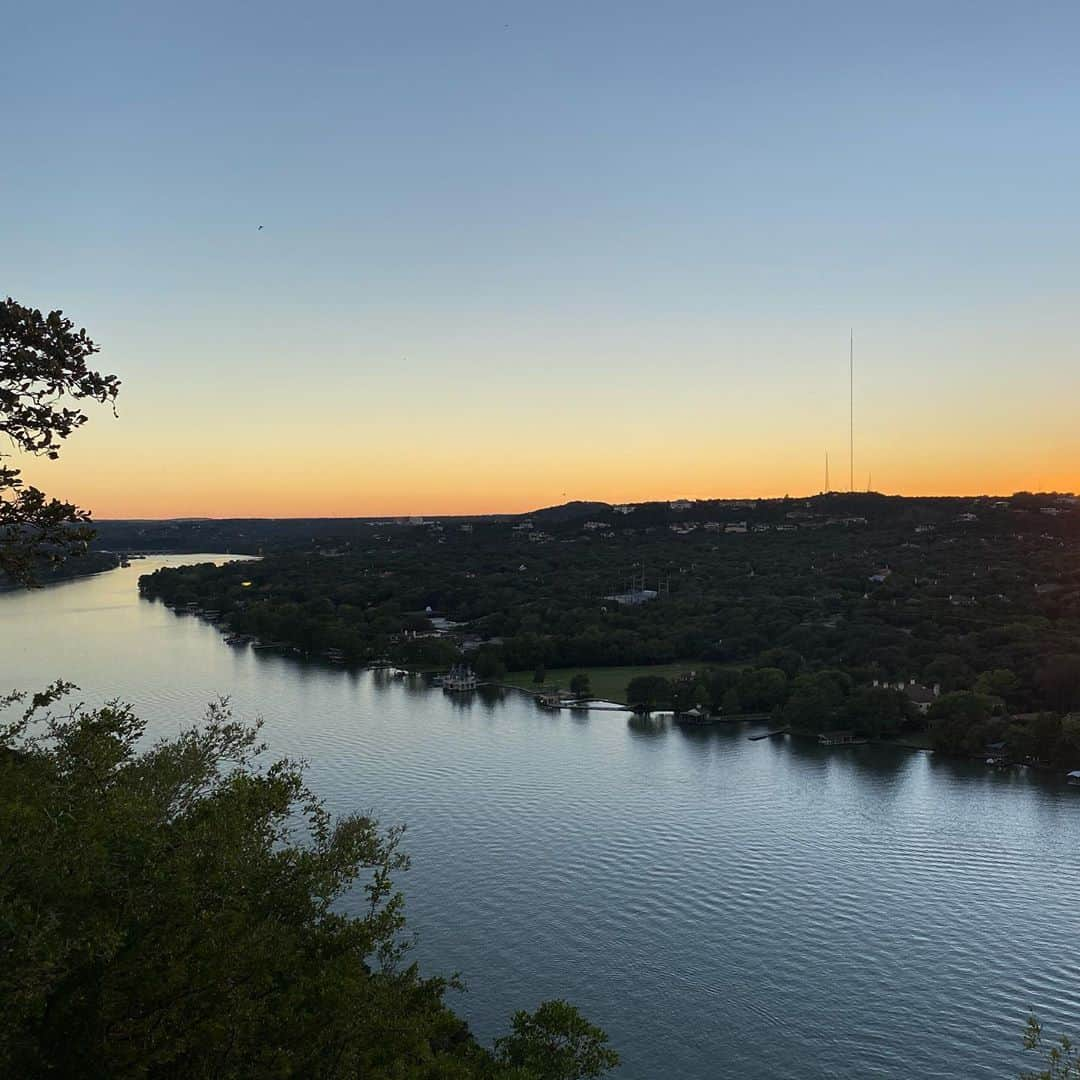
[633, 596]
[1073, 777]
[922, 697]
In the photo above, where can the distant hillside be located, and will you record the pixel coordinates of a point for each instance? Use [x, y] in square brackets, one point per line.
[570, 511]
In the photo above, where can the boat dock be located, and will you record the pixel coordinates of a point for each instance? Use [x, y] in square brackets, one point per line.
[770, 734]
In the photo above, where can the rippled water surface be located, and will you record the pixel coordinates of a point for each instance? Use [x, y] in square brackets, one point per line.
[724, 908]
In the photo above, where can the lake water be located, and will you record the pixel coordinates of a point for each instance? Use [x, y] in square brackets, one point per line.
[723, 908]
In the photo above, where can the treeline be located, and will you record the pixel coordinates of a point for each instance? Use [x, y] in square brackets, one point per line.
[971, 723]
[947, 601]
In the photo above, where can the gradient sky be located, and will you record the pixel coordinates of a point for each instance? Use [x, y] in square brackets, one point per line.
[512, 250]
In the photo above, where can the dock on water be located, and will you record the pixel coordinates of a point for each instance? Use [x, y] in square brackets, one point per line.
[769, 734]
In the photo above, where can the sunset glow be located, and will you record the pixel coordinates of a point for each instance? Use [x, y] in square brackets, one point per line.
[595, 254]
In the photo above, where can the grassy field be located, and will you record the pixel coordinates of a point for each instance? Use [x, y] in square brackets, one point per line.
[606, 682]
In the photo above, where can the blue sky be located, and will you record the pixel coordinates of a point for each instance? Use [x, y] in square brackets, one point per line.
[544, 219]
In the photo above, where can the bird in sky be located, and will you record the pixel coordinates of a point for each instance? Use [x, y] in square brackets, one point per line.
[260, 229]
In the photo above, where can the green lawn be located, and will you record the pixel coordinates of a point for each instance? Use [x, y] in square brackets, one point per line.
[606, 682]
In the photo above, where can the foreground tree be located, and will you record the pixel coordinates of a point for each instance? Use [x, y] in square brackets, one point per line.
[43, 366]
[1061, 1059]
[180, 911]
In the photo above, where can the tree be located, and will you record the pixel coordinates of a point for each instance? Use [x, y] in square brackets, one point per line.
[43, 365]
[1000, 682]
[816, 700]
[1062, 1058]
[789, 661]
[762, 688]
[645, 692]
[580, 686]
[174, 910]
[877, 710]
[959, 722]
[1059, 680]
[556, 1043]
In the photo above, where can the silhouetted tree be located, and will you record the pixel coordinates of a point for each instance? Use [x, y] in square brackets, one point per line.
[173, 909]
[43, 367]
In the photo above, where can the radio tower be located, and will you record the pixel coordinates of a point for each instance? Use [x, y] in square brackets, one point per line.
[851, 411]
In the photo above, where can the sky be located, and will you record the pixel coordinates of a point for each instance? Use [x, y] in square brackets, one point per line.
[517, 253]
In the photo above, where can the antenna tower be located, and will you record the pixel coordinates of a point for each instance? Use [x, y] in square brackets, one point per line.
[851, 410]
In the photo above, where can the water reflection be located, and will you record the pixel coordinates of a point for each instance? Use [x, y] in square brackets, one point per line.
[721, 906]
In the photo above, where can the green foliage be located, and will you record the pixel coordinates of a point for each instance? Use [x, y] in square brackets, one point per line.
[175, 909]
[645, 692]
[556, 1043]
[762, 688]
[961, 607]
[817, 700]
[877, 711]
[580, 686]
[1001, 683]
[1061, 1059]
[960, 723]
[1059, 680]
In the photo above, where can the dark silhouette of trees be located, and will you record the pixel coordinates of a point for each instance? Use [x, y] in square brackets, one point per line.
[43, 369]
[173, 910]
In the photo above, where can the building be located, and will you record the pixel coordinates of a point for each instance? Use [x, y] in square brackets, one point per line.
[681, 505]
[735, 527]
[633, 596]
[922, 697]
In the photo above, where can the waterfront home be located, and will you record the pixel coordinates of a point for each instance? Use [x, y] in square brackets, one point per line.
[922, 697]
[633, 597]
[1073, 777]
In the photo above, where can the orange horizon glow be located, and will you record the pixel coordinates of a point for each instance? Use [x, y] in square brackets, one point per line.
[333, 494]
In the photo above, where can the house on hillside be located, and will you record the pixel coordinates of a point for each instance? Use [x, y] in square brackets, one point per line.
[922, 697]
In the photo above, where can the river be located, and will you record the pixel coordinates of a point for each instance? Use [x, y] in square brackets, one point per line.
[723, 908]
